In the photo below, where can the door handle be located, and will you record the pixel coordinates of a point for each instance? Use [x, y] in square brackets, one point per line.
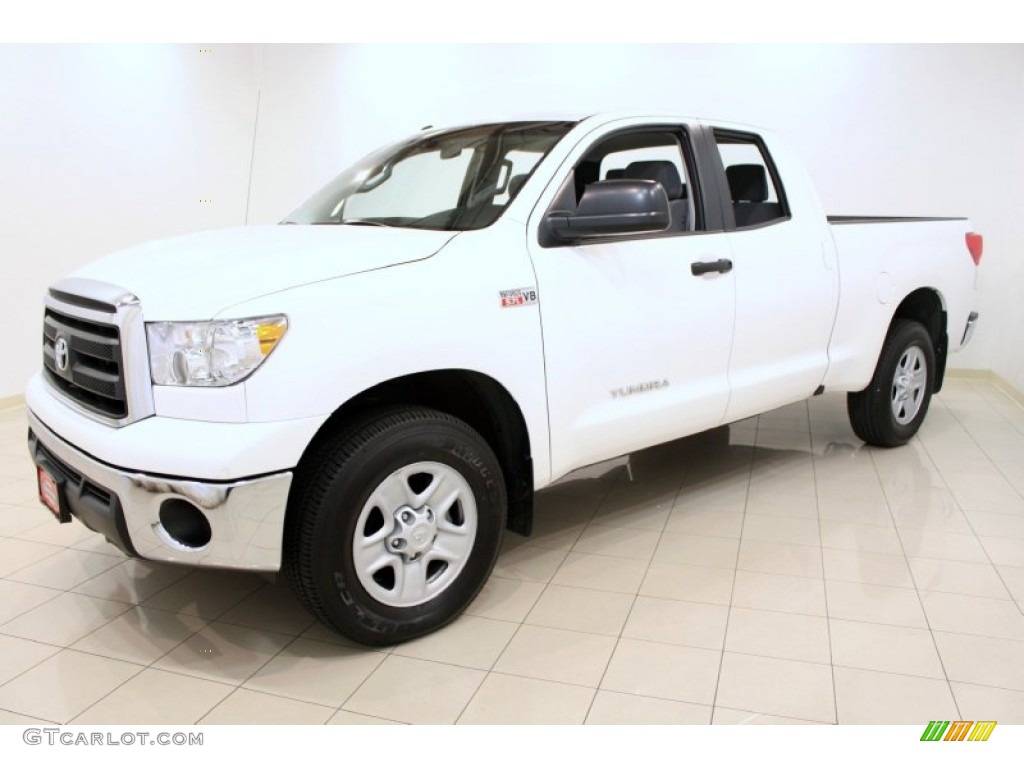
[699, 268]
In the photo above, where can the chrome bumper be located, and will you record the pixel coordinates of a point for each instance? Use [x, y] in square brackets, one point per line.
[246, 517]
[972, 322]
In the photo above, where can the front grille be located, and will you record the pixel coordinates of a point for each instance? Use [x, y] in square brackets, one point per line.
[93, 372]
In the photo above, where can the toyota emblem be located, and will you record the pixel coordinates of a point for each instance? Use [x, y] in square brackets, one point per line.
[60, 354]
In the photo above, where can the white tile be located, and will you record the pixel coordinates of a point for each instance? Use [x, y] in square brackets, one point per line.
[206, 593]
[677, 622]
[978, 702]
[582, 610]
[867, 568]
[18, 655]
[469, 641]
[65, 570]
[778, 635]
[940, 545]
[780, 558]
[525, 563]
[705, 522]
[509, 700]
[132, 581]
[973, 615]
[506, 599]
[244, 707]
[16, 554]
[1004, 551]
[688, 582]
[776, 686]
[17, 598]
[140, 635]
[274, 608]
[154, 697]
[611, 708]
[840, 534]
[64, 619]
[782, 529]
[982, 660]
[663, 671]
[708, 551]
[726, 716]
[556, 654]
[321, 673]
[773, 592]
[610, 574]
[979, 579]
[880, 698]
[226, 653]
[617, 542]
[63, 685]
[415, 691]
[884, 648]
[874, 603]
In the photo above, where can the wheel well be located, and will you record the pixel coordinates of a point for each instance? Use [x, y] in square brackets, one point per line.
[925, 306]
[476, 399]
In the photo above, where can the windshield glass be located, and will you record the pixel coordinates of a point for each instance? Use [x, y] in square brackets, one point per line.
[453, 180]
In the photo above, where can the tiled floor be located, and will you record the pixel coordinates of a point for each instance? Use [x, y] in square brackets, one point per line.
[774, 572]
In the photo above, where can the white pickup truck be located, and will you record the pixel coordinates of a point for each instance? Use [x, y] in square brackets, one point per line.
[365, 396]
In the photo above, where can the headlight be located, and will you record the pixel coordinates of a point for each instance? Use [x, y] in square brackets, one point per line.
[213, 354]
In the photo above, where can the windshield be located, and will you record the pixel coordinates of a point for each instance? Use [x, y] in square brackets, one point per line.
[453, 180]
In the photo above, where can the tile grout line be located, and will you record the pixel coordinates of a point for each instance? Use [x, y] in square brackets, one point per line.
[732, 586]
[970, 523]
[824, 583]
[913, 579]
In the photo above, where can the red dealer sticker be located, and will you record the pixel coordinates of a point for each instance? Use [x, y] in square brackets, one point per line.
[518, 297]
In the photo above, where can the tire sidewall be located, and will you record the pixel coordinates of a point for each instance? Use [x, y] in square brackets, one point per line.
[907, 335]
[348, 605]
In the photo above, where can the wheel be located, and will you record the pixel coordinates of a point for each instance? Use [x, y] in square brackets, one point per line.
[891, 409]
[395, 524]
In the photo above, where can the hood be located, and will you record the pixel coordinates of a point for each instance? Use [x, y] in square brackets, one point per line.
[196, 276]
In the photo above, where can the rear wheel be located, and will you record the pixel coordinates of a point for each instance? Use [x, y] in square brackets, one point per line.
[395, 525]
[893, 406]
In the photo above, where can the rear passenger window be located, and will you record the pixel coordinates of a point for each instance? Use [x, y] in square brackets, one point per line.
[757, 197]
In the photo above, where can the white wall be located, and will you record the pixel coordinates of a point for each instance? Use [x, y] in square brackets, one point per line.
[111, 146]
[105, 146]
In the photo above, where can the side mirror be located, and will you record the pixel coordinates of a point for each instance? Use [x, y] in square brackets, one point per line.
[613, 207]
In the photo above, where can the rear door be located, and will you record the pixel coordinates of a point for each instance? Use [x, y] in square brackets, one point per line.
[636, 346]
[785, 278]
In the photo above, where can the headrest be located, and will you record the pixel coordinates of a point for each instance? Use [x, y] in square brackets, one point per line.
[747, 183]
[661, 171]
[615, 173]
[516, 183]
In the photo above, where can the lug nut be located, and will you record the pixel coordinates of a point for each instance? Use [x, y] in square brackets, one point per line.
[398, 543]
[407, 517]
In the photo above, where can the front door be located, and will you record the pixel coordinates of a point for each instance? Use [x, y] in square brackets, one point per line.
[636, 345]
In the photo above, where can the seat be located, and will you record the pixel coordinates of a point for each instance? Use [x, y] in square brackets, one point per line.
[748, 187]
[665, 173]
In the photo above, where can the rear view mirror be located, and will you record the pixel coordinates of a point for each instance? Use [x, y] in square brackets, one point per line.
[613, 207]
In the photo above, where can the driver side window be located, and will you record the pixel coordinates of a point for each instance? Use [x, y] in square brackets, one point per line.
[655, 155]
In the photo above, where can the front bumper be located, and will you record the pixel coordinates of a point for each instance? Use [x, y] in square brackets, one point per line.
[246, 516]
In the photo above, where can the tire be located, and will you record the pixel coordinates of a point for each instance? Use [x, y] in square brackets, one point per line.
[893, 406]
[395, 524]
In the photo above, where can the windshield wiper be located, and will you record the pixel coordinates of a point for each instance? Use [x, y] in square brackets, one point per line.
[364, 223]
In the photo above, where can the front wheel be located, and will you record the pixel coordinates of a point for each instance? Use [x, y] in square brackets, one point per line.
[893, 406]
[395, 525]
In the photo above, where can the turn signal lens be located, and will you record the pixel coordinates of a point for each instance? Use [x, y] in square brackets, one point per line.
[975, 244]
